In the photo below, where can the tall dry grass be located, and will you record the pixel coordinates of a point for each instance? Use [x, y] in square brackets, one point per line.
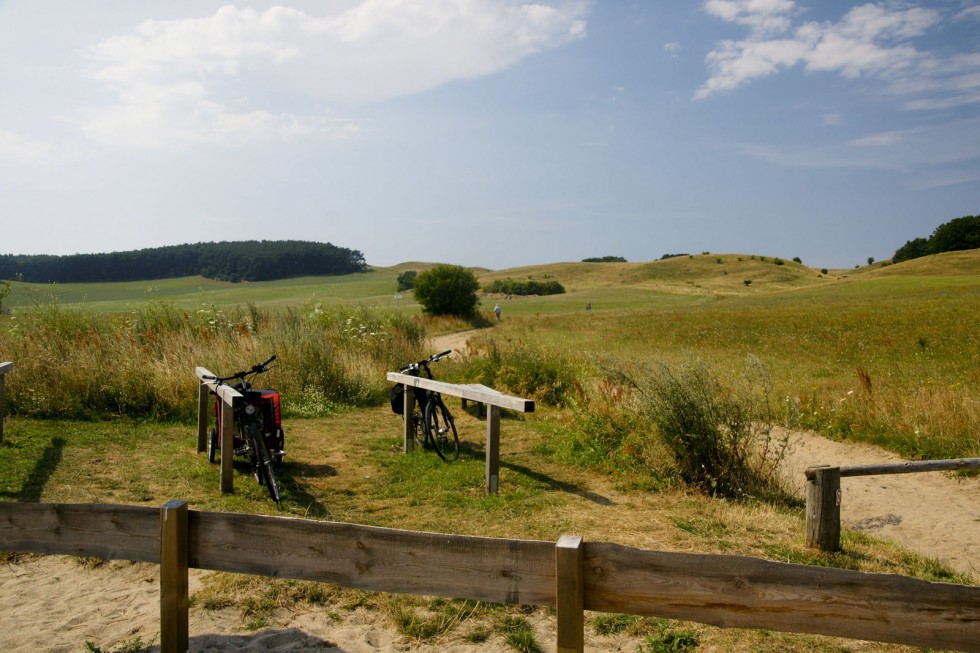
[75, 363]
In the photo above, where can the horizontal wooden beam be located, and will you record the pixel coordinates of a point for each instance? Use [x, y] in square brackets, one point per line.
[225, 392]
[470, 392]
[6, 367]
[726, 591]
[949, 465]
[739, 592]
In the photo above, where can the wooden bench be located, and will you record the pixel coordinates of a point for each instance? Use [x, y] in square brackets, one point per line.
[4, 368]
[491, 400]
[228, 396]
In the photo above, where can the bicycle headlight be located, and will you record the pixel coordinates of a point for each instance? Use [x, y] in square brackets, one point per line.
[249, 409]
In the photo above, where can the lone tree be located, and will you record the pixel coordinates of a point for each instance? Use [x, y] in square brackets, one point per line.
[447, 290]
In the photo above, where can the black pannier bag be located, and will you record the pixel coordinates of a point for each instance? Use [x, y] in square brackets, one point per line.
[398, 398]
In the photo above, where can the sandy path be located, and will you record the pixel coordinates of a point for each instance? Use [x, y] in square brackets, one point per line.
[932, 513]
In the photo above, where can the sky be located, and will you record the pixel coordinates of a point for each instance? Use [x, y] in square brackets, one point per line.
[490, 133]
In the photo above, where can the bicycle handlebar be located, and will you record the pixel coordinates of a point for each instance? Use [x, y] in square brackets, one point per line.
[258, 368]
[425, 363]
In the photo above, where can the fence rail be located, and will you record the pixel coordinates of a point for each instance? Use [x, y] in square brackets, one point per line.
[722, 590]
[227, 397]
[823, 493]
[489, 398]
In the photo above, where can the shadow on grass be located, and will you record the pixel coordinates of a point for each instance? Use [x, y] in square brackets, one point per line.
[564, 486]
[33, 486]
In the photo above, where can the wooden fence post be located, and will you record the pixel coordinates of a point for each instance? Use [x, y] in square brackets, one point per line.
[173, 578]
[408, 407]
[823, 498]
[570, 594]
[493, 449]
[3, 414]
[202, 417]
[227, 414]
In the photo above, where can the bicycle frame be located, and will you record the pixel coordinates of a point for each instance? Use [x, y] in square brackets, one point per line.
[257, 433]
[433, 425]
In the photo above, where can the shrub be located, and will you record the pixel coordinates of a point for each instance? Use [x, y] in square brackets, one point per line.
[521, 369]
[720, 438]
[447, 290]
[604, 259]
[406, 280]
[524, 288]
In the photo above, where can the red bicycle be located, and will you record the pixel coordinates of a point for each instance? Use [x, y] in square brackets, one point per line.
[258, 435]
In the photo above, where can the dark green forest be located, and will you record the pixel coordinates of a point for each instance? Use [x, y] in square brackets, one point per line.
[251, 260]
[959, 234]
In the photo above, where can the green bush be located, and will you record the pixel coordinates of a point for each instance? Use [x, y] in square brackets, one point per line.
[524, 288]
[447, 290]
[672, 424]
[522, 370]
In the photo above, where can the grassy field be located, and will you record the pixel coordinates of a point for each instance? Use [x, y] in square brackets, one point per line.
[886, 354]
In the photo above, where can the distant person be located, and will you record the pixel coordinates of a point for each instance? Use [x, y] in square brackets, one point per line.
[588, 307]
[496, 311]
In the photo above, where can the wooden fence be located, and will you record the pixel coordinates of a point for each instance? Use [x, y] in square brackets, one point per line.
[570, 575]
[227, 396]
[4, 368]
[488, 397]
[823, 493]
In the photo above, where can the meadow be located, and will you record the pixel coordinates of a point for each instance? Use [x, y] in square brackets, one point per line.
[102, 402]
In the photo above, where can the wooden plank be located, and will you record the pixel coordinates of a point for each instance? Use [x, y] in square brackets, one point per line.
[737, 592]
[949, 465]
[227, 472]
[408, 407]
[823, 499]
[6, 367]
[486, 396]
[110, 532]
[370, 558]
[173, 578]
[493, 450]
[203, 394]
[570, 594]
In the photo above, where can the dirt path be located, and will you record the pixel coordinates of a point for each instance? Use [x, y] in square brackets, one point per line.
[931, 513]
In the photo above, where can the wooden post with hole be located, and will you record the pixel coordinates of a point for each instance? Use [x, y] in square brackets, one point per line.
[570, 594]
[823, 499]
[202, 417]
[408, 407]
[4, 368]
[173, 578]
[493, 449]
[227, 414]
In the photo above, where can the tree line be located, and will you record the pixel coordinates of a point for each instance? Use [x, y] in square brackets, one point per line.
[251, 260]
[958, 234]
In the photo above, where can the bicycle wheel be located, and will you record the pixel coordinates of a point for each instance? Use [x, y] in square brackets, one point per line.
[440, 429]
[263, 462]
[418, 430]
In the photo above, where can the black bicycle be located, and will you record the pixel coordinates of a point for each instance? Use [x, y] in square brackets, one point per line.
[433, 426]
[258, 432]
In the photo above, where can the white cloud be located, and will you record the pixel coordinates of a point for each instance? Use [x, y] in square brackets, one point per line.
[215, 79]
[869, 41]
[19, 151]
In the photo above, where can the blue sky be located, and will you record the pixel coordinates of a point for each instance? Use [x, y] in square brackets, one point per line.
[489, 133]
